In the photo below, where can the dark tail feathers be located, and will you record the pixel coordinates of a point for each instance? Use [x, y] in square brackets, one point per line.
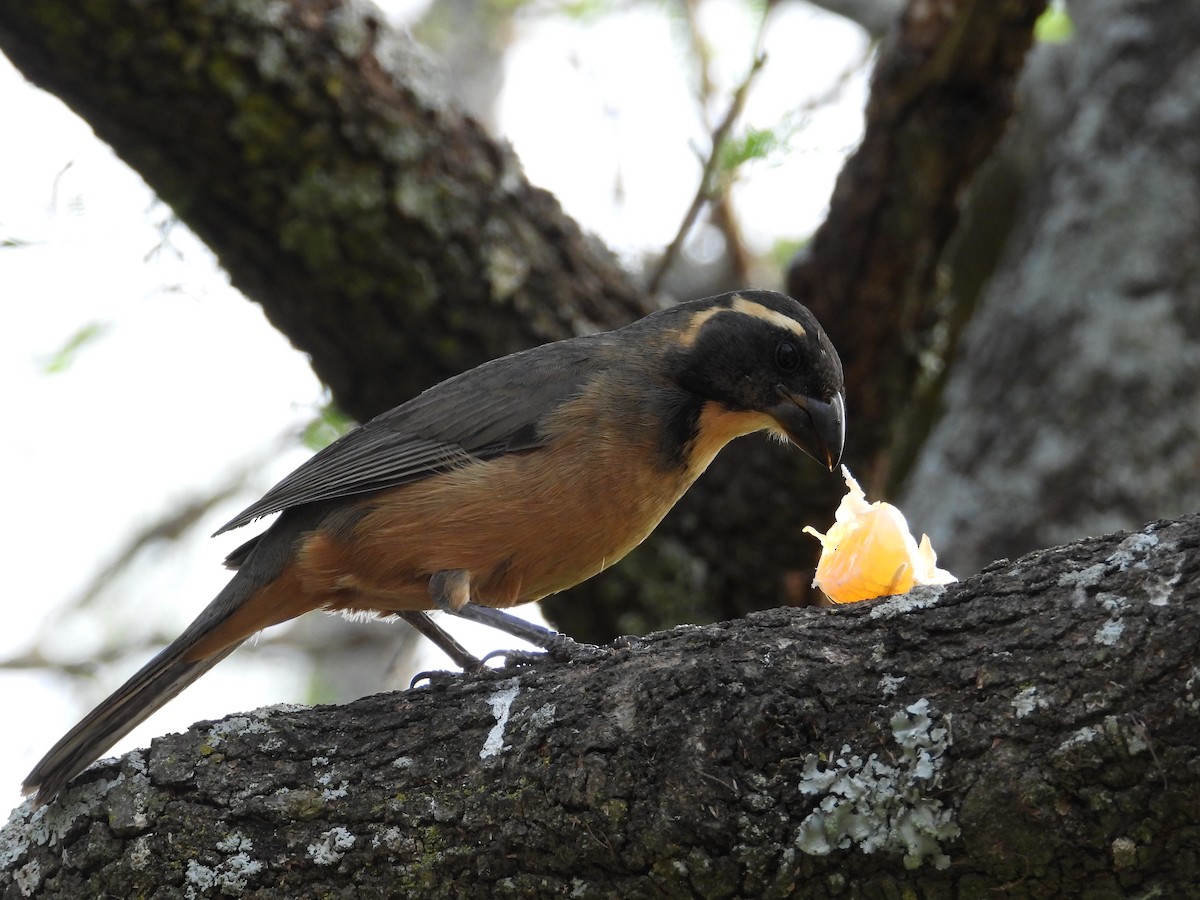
[259, 562]
[156, 683]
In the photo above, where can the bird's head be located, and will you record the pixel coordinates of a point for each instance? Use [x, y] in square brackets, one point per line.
[764, 361]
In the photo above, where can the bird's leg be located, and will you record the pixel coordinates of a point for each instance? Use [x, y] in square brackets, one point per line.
[440, 638]
[451, 592]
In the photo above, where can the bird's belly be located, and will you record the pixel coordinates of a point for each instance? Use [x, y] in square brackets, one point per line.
[523, 526]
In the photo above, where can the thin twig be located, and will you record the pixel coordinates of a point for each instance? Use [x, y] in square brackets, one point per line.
[708, 176]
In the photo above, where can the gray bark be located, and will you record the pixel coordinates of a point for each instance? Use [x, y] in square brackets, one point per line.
[1030, 732]
[1073, 406]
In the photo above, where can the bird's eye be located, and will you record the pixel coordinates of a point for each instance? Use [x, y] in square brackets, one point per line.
[787, 357]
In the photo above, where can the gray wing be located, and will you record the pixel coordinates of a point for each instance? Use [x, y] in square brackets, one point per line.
[486, 412]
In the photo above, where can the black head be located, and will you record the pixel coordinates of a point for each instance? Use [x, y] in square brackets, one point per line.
[762, 352]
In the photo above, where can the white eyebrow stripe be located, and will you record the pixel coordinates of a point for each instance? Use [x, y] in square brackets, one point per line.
[778, 319]
[745, 307]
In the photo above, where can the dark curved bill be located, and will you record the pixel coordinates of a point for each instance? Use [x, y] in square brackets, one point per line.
[815, 426]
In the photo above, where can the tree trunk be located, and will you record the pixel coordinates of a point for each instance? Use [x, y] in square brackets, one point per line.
[1030, 732]
[1072, 406]
[397, 244]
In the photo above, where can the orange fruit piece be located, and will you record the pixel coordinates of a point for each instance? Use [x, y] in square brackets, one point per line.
[869, 551]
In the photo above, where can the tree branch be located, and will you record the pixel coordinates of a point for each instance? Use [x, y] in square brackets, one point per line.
[941, 95]
[708, 190]
[1049, 742]
[876, 17]
[386, 234]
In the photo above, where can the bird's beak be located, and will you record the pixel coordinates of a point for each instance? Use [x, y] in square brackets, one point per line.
[815, 426]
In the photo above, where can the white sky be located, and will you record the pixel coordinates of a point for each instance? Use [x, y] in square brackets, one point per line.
[188, 381]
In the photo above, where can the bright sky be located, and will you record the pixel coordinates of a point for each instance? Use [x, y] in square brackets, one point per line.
[188, 382]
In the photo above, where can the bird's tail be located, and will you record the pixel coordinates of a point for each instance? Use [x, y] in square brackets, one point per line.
[179, 664]
[257, 596]
[156, 683]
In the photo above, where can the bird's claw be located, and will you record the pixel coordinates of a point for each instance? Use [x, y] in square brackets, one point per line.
[563, 649]
[433, 676]
[517, 658]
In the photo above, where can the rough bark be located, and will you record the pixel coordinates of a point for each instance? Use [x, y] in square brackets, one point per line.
[1031, 732]
[396, 244]
[387, 235]
[1072, 406]
[940, 98]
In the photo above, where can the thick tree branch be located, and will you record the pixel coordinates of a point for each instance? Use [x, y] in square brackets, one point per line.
[941, 95]
[386, 234]
[1048, 745]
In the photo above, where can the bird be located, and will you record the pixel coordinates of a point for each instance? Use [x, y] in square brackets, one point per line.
[512, 481]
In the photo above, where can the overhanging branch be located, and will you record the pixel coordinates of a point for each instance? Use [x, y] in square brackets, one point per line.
[382, 231]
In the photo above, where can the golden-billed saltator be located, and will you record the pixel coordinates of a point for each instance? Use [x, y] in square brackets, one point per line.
[512, 481]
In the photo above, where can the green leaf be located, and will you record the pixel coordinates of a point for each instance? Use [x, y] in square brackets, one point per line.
[329, 425]
[755, 143]
[63, 358]
[1054, 26]
[784, 250]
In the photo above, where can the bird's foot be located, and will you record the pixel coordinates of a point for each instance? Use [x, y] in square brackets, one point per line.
[434, 677]
[560, 649]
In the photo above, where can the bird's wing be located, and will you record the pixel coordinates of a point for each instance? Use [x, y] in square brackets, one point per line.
[486, 412]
